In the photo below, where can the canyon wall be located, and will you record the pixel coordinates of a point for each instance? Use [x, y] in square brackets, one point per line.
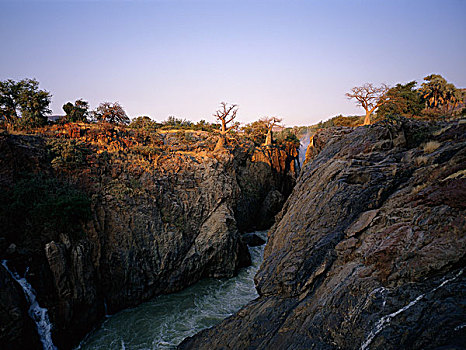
[155, 227]
[368, 252]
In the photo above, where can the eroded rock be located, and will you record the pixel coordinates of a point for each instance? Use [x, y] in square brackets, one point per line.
[369, 249]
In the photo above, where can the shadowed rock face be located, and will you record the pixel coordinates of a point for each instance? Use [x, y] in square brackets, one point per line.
[152, 231]
[369, 249]
[17, 330]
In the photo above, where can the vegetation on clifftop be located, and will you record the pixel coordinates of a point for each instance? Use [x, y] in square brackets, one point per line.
[38, 205]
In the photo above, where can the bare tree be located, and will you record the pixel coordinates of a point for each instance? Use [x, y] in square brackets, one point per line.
[270, 122]
[369, 97]
[226, 114]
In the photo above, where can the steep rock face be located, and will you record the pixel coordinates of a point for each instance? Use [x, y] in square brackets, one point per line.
[266, 180]
[368, 251]
[154, 229]
[17, 330]
[172, 228]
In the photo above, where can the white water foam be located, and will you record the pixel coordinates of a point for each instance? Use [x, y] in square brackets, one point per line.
[37, 313]
[385, 320]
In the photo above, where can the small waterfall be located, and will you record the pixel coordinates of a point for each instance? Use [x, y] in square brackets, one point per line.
[304, 140]
[107, 315]
[37, 313]
[385, 320]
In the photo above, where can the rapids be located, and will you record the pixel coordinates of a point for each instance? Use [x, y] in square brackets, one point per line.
[165, 321]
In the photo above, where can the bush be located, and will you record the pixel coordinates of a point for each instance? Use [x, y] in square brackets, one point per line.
[37, 205]
[67, 154]
[286, 136]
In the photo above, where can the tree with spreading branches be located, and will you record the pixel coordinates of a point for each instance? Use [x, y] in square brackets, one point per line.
[270, 122]
[226, 115]
[77, 112]
[369, 97]
[23, 103]
[402, 100]
[112, 113]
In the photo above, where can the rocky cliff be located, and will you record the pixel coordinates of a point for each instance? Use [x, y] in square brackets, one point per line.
[369, 249]
[159, 219]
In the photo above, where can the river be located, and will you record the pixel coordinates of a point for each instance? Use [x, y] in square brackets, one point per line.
[165, 321]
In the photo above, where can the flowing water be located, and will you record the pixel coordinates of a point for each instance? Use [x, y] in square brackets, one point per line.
[165, 321]
[38, 314]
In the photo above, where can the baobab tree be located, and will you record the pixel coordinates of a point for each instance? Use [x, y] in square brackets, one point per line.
[369, 97]
[112, 113]
[270, 122]
[226, 114]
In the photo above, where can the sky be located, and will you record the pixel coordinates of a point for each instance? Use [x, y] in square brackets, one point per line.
[293, 59]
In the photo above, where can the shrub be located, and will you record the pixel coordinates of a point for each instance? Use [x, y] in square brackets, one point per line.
[38, 204]
[67, 154]
[431, 146]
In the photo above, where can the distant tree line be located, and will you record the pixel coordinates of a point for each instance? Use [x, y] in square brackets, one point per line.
[24, 106]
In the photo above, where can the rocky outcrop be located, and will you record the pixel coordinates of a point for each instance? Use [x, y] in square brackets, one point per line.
[156, 226]
[369, 249]
[266, 180]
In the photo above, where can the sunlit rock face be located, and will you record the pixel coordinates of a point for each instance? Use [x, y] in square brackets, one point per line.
[368, 251]
[157, 225]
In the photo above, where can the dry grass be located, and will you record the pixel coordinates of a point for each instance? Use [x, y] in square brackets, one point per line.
[421, 160]
[418, 188]
[431, 146]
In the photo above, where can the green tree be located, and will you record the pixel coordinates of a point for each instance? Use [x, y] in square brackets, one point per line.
[440, 94]
[77, 112]
[369, 97]
[24, 103]
[403, 100]
[112, 113]
[256, 131]
[173, 122]
[143, 123]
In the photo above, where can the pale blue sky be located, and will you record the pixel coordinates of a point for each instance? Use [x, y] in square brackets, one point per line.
[294, 59]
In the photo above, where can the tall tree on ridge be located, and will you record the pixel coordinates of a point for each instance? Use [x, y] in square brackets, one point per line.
[226, 114]
[369, 97]
[77, 112]
[24, 103]
[270, 122]
[112, 113]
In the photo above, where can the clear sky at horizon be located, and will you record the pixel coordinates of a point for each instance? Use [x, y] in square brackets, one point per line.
[293, 59]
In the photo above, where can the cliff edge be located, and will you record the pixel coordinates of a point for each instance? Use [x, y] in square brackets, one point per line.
[368, 251]
[99, 219]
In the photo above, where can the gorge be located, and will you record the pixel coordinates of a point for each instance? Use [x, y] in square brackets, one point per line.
[162, 213]
[366, 252]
